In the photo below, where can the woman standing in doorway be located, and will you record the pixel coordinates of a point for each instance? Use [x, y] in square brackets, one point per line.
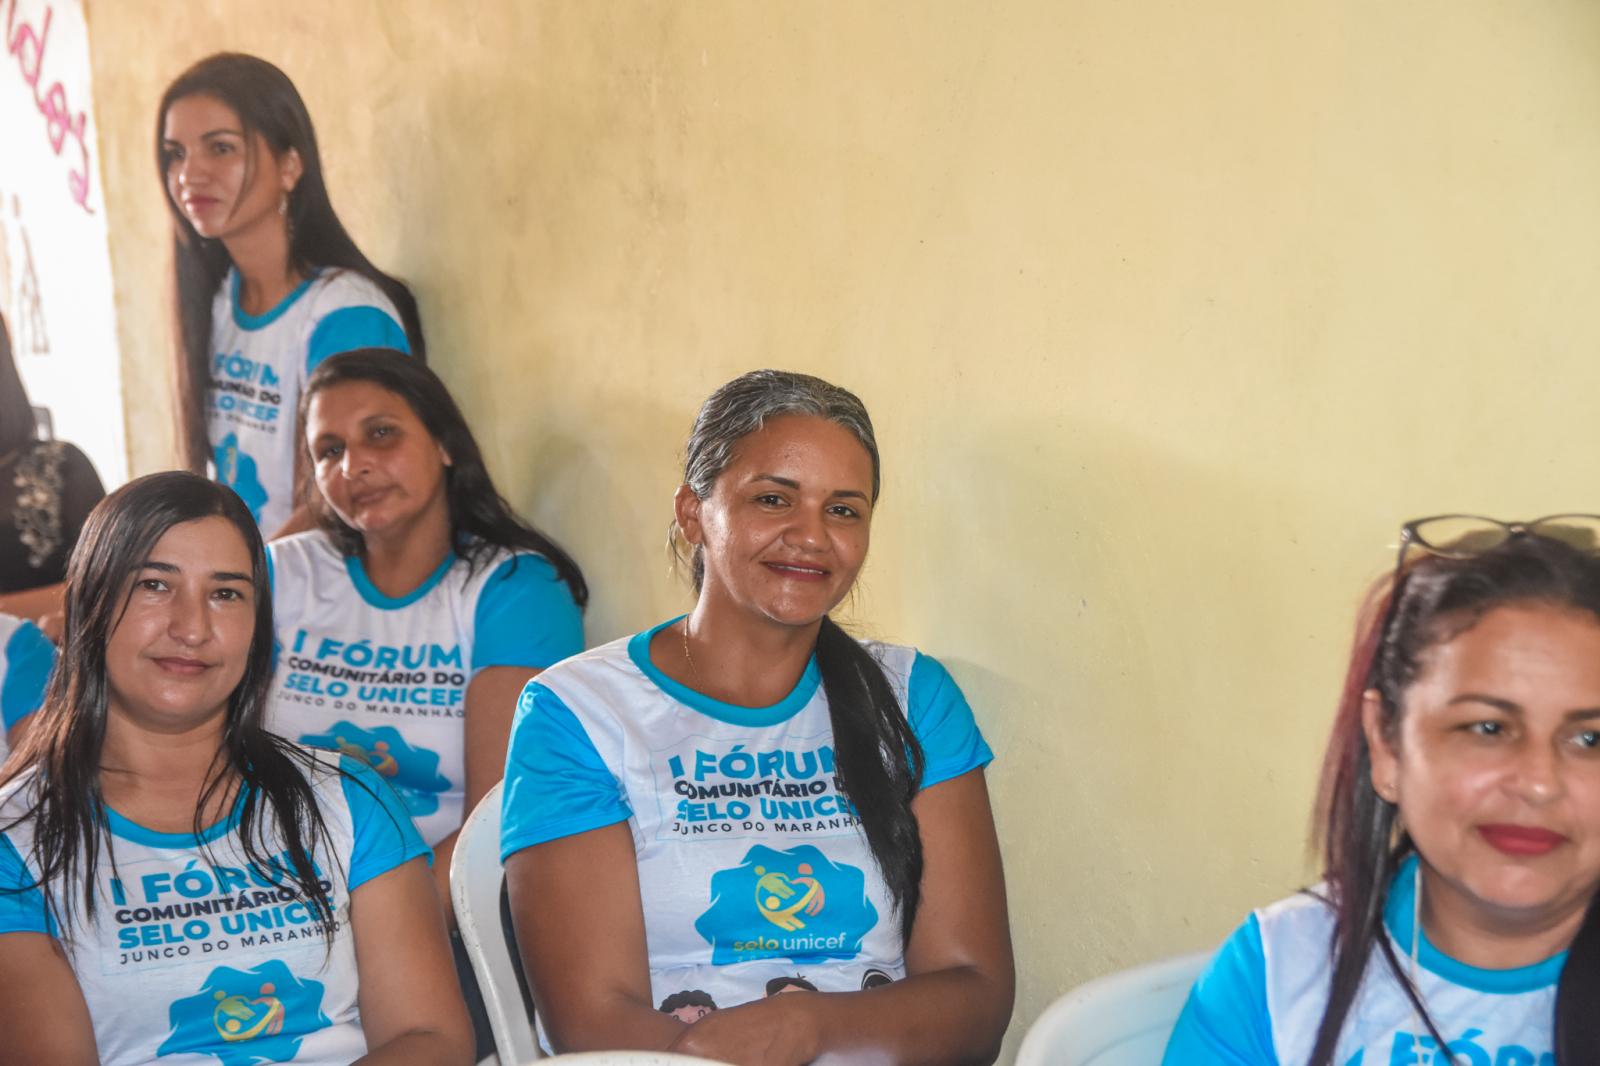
[268, 283]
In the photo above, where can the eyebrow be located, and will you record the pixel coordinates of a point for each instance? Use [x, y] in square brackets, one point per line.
[216, 575]
[790, 483]
[1513, 708]
[208, 135]
[366, 422]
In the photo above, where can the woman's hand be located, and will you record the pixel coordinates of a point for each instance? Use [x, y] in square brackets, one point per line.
[780, 1030]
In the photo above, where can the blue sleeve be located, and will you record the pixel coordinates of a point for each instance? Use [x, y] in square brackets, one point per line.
[556, 783]
[22, 908]
[350, 328]
[943, 723]
[1226, 1019]
[526, 616]
[29, 659]
[385, 837]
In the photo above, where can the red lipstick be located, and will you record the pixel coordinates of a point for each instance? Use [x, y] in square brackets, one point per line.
[1521, 840]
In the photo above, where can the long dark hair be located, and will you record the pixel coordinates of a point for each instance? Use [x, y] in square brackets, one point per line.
[17, 425]
[267, 103]
[877, 755]
[278, 813]
[1434, 600]
[481, 521]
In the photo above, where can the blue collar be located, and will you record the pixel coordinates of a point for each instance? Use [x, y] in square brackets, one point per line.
[370, 592]
[753, 717]
[131, 830]
[262, 321]
[1397, 918]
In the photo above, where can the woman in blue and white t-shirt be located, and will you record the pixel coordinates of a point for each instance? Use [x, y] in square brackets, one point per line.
[176, 883]
[744, 819]
[268, 283]
[1460, 815]
[410, 620]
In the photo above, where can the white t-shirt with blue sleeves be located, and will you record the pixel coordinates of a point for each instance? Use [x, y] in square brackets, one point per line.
[26, 659]
[1262, 999]
[197, 958]
[259, 363]
[384, 679]
[751, 865]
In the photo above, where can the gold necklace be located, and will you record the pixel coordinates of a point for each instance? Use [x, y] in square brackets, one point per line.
[694, 671]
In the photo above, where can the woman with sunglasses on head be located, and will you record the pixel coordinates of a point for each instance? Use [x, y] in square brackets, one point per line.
[177, 883]
[268, 283]
[1460, 820]
[748, 791]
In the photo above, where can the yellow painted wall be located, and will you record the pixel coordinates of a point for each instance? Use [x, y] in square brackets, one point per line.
[1168, 313]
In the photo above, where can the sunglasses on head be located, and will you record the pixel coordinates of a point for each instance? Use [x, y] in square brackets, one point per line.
[1461, 536]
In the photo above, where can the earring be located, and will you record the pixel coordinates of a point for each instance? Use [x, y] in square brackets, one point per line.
[283, 204]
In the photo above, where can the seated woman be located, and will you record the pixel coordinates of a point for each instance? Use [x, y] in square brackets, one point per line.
[177, 881]
[47, 488]
[26, 659]
[748, 793]
[1460, 817]
[412, 617]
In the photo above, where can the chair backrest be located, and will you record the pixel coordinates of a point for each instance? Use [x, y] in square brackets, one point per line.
[1122, 1019]
[475, 889]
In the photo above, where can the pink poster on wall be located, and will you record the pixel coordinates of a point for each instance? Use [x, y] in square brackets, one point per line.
[55, 263]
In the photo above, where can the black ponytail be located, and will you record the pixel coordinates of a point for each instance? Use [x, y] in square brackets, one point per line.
[878, 758]
[879, 762]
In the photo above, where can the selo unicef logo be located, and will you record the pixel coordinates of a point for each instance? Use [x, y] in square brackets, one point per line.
[238, 1016]
[795, 904]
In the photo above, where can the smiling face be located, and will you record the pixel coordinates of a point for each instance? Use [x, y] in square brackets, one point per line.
[226, 182]
[376, 464]
[1496, 768]
[182, 641]
[785, 528]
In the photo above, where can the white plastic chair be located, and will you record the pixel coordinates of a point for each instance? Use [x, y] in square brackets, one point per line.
[1122, 1019]
[628, 1058]
[475, 879]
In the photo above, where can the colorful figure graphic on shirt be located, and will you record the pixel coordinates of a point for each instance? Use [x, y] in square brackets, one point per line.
[688, 1006]
[781, 985]
[248, 1011]
[412, 772]
[378, 758]
[782, 898]
[239, 1017]
[820, 908]
[237, 470]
